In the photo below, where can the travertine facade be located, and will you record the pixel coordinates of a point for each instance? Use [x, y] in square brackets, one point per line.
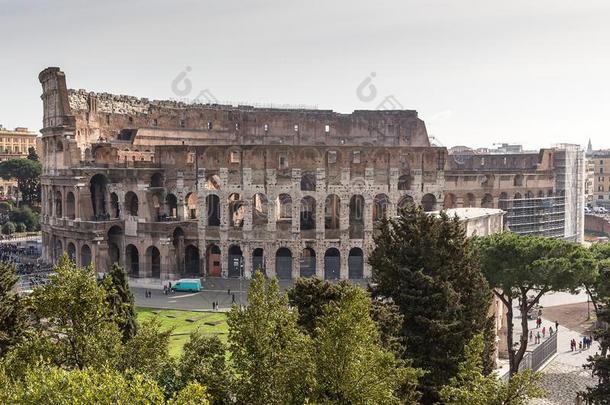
[170, 190]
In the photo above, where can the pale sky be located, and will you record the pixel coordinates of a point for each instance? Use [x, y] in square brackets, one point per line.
[478, 72]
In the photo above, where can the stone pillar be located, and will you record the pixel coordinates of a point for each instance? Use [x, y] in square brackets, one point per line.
[246, 251]
[296, 262]
[320, 261]
[344, 270]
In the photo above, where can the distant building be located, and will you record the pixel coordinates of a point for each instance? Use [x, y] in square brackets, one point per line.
[599, 172]
[14, 144]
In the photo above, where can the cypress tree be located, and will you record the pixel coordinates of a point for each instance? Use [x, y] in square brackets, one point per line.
[425, 265]
[13, 315]
[121, 301]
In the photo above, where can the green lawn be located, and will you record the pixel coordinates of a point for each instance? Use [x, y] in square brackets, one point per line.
[183, 322]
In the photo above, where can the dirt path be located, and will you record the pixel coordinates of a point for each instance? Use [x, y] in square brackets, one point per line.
[571, 316]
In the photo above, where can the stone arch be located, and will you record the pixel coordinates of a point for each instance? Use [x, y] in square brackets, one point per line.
[153, 257]
[260, 210]
[283, 263]
[131, 203]
[283, 221]
[132, 260]
[404, 182]
[332, 264]
[156, 180]
[332, 215]
[115, 236]
[235, 262]
[487, 201]
[70, 205]
[58, 207]
[308, 214]
[449, 201]
[59, 146]
[213, 261]
[503, 201]
[58, 249]
[428, 202]
[308, 181]
[540, 193]
[85, 255]
[71, 249]
[518, 180]
[213, 207]
[258, 261]
[529, 194]
[470, 201]
[171, 205]
[236, 211]
[115, 211]
[356, 217]
[99, 190]
[355, 263]
[192, 209]
[381, 205]
[405, 202]
[191, 261]
[517, 196]
[307, 263]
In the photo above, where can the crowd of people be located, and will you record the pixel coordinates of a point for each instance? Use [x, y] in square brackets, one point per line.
[31, 270]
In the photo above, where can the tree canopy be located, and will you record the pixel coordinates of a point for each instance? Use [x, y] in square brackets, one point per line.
[27, 173]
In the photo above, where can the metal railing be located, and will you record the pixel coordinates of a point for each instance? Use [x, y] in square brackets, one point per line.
[536, 358]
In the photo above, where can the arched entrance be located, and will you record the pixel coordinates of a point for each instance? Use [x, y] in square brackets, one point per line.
[428, 202]
[132, 261]
[332, 264]
[236, 261]
[258, 261]
[355, 264]
[283, 263]
[115, 236]
[213, 261]
[308, 263]
[98, 191]
[72, 252]
[85, 256]
[154, 261]
[191, 261]
[356, 217]
[213, 206]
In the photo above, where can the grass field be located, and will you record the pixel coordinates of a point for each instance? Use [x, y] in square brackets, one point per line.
[184, 322]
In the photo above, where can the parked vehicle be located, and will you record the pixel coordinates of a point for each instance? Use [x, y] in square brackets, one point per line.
[600, 210]
[187, 284]
[588, 210]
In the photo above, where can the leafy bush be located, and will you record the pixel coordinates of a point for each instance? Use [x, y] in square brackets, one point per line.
[26, 216]
[20, 227]
[8, 228]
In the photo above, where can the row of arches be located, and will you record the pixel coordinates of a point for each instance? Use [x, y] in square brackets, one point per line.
[70, 248]
[487, 201]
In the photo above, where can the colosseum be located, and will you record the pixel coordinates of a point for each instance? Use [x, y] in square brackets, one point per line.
[172, 190]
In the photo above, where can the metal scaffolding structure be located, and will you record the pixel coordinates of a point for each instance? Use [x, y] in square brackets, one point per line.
[538, 216]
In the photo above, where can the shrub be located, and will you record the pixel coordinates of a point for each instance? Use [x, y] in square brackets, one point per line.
[8, 228]
[20, 227]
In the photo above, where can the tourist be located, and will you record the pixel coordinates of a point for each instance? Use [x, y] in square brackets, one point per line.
[538, 337]
[544, 332]
[550, 331]
[531, 336]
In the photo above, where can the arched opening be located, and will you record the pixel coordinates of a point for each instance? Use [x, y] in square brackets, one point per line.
[132, 260]
[213, 206]
[332, 215]
[449, 201]
[178, 242]
[308, 263]
[470, 201]
[212, 182]
[518, 180]
[283, 263]
[540, 194]
[213, 261]
[428, 202]
[85, 256]
[260, 210]
[308, 217]
[356, 217]
[487, 201]
[191, 261]
[283, 221]
[98, 189]
[171, 206]
[381, 203]
[236, 211]
[131, 203]
[503, 201]
[258, 261]
[115, 211]
[405, 202]
[517, 196]
[355, 264]
[58, 207]
[156, 180]
[404, 182]
[236, 262]
[308, 181]
[529, 194]
[70, 205]
[59, 249]
[549, 193]
[154, 261]
[332, 264]
[115, 236]
[191, 206]
[71, 252]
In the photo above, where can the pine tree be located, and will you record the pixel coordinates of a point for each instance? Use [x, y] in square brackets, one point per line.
[425, 265]
[121, 301]
[13, 315]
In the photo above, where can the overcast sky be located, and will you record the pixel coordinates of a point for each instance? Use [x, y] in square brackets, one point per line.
[478, 72]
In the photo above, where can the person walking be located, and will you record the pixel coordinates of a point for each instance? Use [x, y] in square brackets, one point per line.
[550, 331]
[556, 326]
[531, 336]
[543, 332]
[538, 337]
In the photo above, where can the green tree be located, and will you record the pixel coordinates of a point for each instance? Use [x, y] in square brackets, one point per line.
[193, 393]
[270, 353]
[351, 367]
[26, 216]
[27, 173]
[203, 361]
[9, 228]
[74, 327]
[425, 264]
[32, 154]
[147, 351]
[472, 387]
[121, 301]
[13, 314]
[526, 268]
